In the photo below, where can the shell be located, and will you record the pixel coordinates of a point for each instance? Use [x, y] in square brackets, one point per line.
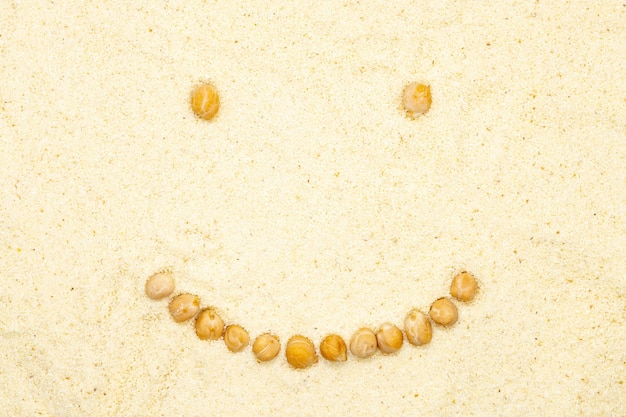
[444, 312]
[209, 325]
[333, 348]
[416, 99]
[236, 338]
[184, 307]
[464, 287]
[266, 347]
[363, 343]
[205, 102]
[418, 329]
[300, 352]
[389, 338]
[159, 285]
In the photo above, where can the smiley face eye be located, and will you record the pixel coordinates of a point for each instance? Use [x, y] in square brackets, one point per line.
[205, 102]
[416, 99]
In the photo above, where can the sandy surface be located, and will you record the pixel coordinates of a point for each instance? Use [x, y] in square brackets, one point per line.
[311, 204]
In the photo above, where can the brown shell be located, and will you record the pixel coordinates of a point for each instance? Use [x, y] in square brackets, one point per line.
[418, 329]
[363, 343]
[416, 99]
[184, 307]
[266, 347]
[236, 338]
[205, 102]
[300, 352]
[464, 287]
[333, 348]
[444, 312]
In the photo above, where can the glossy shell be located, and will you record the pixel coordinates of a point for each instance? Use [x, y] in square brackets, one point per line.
[266, 347]
[418, 329]
[209, 325]
[416, 99]
[444, 312]
[333, 348]
[205, 102]
[300, 352]
[363, 343]
[389, 338]
[236, 338]
[184, 307]
[160, 285]
[464, 287]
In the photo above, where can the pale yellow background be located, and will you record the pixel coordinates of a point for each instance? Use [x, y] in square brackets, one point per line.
[311, 204]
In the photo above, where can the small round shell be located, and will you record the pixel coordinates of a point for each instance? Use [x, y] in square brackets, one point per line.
[389, 338]
[444, 312]
[184, 307]
[266, 347]
[205, 102]
[363, 343]
[417, 327]
[333, 348]
[300, 352]
[464, 287]
[236, 338]
[416, 99]
[159, 285]
[209, 325]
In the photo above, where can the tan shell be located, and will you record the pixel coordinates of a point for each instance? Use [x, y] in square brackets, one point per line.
[205, 102]
[333, 348]
[444, 312]
[160, 285]
[417, 327]
[416, 99]
[209, 325]
[464, 287]
[266, 347]
[363, 343]
[300, 352]
[236, 338]
[184, 307]
[389, 338]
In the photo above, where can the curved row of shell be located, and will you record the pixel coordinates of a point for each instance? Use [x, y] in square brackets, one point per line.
[416, 99]
[300, 351]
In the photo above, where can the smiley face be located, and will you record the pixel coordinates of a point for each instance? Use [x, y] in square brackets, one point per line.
[322, 180]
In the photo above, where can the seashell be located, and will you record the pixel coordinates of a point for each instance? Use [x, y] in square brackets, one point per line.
[444, 312]
[389, 338]
[464, 287]
[266, 347]
[209, 325]
[417, 327]
[159, 285]
[184, 307]
[300, 352]
[236, 338]
[416, 99]
[363, 343]
[205, 102]
[333, 348]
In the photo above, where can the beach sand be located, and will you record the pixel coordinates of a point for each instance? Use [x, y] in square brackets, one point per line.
[312, 205]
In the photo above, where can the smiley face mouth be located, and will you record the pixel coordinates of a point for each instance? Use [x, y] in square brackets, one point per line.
[300, 351]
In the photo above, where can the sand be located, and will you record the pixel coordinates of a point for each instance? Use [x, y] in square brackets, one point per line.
[311, 204]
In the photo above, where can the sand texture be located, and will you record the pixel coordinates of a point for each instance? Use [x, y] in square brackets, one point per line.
[311, 204]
